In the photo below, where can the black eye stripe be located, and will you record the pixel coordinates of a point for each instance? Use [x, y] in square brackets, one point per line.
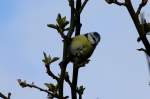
[93, 37]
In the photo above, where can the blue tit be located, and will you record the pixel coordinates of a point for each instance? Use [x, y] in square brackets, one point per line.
[82, 46]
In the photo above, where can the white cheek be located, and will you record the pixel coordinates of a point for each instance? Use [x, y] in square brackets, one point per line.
[91, 39]
[97, 40]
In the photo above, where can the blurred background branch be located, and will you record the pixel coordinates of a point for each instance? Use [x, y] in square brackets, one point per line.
[142, 27]
[4, 96]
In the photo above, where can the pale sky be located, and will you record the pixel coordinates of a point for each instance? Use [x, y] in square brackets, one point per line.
[116, 70]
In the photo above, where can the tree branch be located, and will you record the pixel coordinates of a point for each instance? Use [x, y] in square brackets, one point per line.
[136, 21]
[49, 72]
[141, 5]
[5, 97]
[78, 24]
[115, 2]
[68, 80]
[48, 60]
[80, 96]
[74, 82]
[75, 67]
[61, 80]
[24, 84]
[134, 16]
[119, 3]
[148, 62]
[77, 32]
[72, 23]
[83, 5]
[63, 64]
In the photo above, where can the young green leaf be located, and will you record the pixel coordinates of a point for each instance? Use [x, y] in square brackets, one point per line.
[54, 59]
[47, 59]
[52, 26]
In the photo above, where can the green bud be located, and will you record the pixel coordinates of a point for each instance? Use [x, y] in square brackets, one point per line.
[47, 59]
[81, 89]
[58, 17]
[52, 26]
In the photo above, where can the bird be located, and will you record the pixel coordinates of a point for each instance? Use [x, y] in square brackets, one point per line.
[82, 47]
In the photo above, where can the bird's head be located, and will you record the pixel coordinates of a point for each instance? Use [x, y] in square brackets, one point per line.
[93, 37]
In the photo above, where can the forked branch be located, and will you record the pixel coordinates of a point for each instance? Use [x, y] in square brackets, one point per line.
[4, 96]
[141, 5]
[134, 15]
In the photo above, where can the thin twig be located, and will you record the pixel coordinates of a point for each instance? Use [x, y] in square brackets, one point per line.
[72, 24]
[80, 96]
[116, 2]
[83, 5]
[5, 97]
[36, 87]
[24, 84]
[49, 72]
[141, 5]
[65, 49]
[119, 3]
[148, 62]
[9, 94]
[136, 21]
[78, 23]
[68, 81]
[61, 80]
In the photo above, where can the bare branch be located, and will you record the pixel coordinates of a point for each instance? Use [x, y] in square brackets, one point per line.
[74, 81]
[144, 50]
[78, 23]
[68, 80]
[83, 5]
[141, 5]
[48, 60]
[148, 62]
[49, 72]
[120, 3]
[116, 2]
[136, 21]
[5, 97]
[9, 94]
[63, 65]
[75, 66]
[72, 24]
[24, 84]
[80, 91]
[80, 96]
